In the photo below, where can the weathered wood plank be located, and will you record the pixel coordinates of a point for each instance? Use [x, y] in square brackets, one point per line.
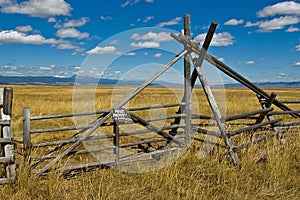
[9, 150]
[248, 114]
[253, 127]
[26, 134]
[6, 160]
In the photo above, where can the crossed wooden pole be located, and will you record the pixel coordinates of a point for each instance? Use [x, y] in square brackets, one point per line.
[193, 55]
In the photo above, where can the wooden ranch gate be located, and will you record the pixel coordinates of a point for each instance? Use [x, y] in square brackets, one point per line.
[7, 159]
[176, 134]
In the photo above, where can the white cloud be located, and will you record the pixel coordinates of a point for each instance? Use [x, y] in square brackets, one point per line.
[298, 47]
[71, 33]
[76, 23]
[51, 20]
[4, 2]
[133, 2]
[146, 44]
[292, 29]
[130, 54]
[15, 37]
[64, 44]
[219, 39]
[278, 23]
[174, 21]
[24, 29]
[297, 63]
[46, 68]
[158, 55]
[250, 62]
[152, 36]
[147, 19]
[250, 24]
[234, 22]
[105, 18]
[282, 75]
[38, 8]
[282, 8]
[129, 2]
[221, 59]
[104, 50]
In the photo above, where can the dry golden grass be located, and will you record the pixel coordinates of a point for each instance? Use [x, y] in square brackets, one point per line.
[190, 177]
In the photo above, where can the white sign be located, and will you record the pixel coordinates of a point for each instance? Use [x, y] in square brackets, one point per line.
[120, 114]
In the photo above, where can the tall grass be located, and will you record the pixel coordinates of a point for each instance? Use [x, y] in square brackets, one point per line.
[190, 177]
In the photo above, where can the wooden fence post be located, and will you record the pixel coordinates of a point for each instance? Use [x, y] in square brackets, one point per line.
[7, 100]
[187, 84]
[7, 134]
[117, 141]
[26, 134]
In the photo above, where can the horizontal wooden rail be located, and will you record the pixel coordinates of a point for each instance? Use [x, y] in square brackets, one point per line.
[7, 160]
[253, 127]
[207, 132]
[105, 136]
[287, 124]
[290, 101]
[4, 122]
[70, 128]
[103, 111]
[283, 112]
[6, 141]
[248, 114]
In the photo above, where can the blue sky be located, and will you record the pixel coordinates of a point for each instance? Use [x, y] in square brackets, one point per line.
[260, 40]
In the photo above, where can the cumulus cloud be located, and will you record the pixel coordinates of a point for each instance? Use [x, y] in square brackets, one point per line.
[250, 62]
[146, 44]
[282, 75]
[133, 2]
[5, 2]
[278, 23]
[292, 29]
[250, 24]
[282, 8]
[24, 29]
[158, 55]
[37, 8]
[234, 22]
[148, 18]
[51, 20]
[296, 64]
[65, 44]
[130, 54]
[174, 21]
[76, 23]
[152, 36]
[71, 33]
[15, 37]
[105, 18]
[103, 50]
[219, 39]
[298, 47]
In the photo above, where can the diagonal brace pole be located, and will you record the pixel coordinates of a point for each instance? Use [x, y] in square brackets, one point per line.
[214, 107]
[108, 115]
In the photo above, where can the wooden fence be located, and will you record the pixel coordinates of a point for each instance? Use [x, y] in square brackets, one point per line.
[7, 159]
[263, 122]
[40, 148]
[61, 149]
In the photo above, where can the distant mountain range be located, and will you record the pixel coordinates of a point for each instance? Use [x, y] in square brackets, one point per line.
[70, 81]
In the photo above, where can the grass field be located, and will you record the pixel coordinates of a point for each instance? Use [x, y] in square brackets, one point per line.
[190, 177]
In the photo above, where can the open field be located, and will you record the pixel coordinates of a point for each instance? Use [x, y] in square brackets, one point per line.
[190, 177]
